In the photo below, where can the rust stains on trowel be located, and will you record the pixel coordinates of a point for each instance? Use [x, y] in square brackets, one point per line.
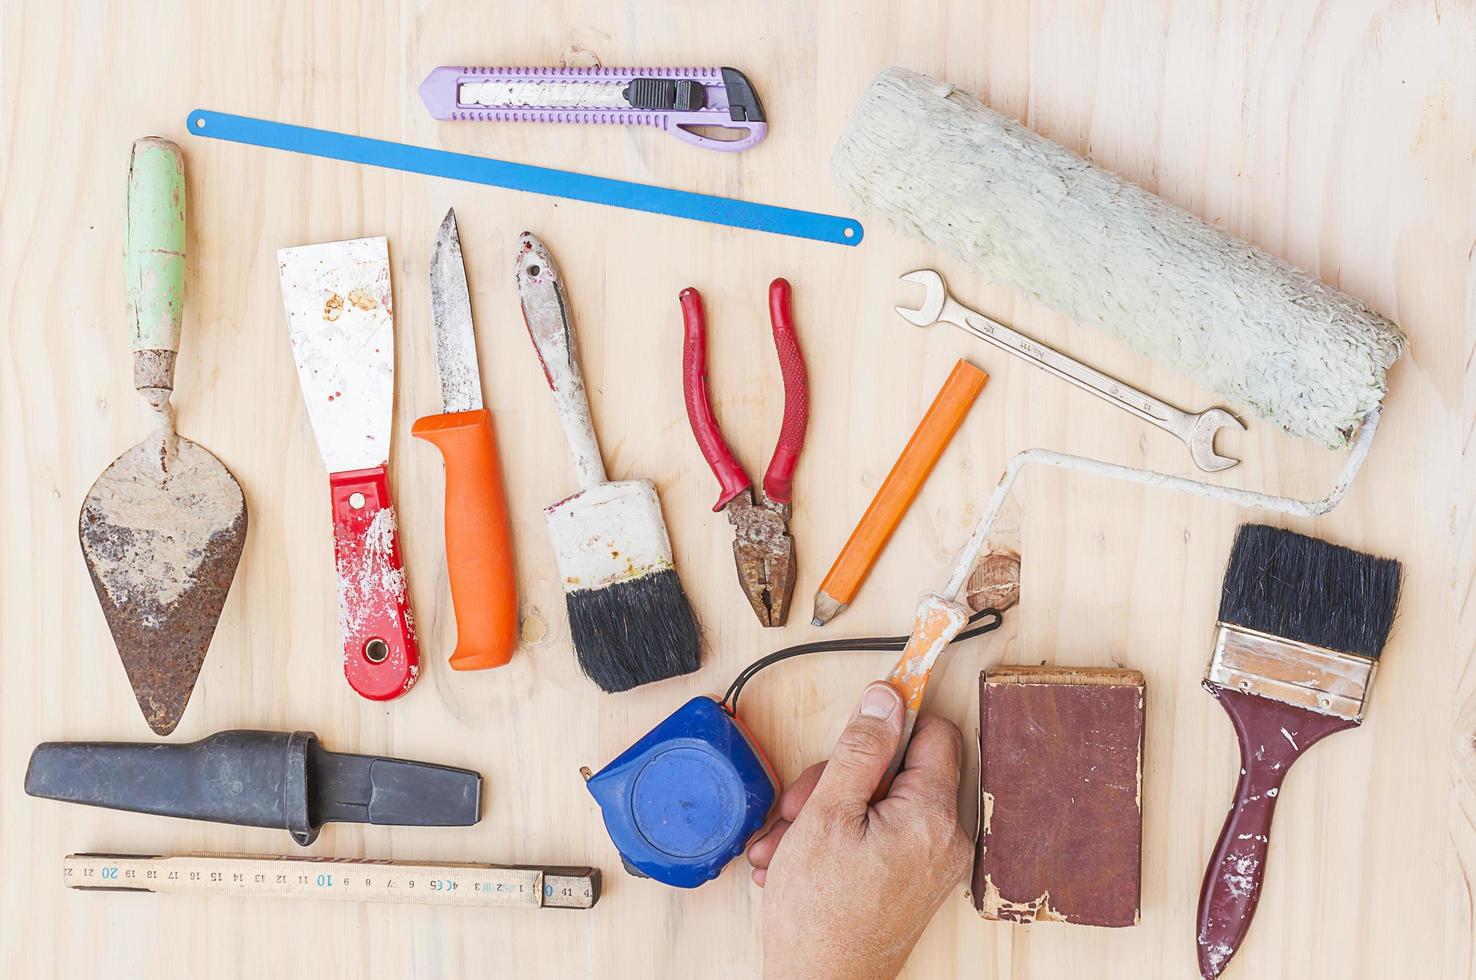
[162, 533]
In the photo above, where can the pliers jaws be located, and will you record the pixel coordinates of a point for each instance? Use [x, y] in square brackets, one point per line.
[763, 549]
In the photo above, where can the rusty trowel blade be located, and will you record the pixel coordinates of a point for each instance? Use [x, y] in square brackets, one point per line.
[162, 534]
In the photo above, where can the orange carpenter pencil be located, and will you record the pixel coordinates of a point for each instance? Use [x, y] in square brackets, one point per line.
[901, 485]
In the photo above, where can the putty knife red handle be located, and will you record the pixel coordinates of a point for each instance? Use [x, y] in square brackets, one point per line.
[1272, 736]
[380, 657]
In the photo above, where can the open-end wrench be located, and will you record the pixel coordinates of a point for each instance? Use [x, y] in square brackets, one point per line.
[1196, 431]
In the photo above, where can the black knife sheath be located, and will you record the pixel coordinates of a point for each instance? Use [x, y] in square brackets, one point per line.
[256, 779]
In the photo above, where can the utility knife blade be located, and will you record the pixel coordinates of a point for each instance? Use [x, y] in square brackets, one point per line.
[456, 342]
[340, 319]
[680, 101]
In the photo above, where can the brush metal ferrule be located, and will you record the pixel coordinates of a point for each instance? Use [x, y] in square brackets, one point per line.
[1299, 674]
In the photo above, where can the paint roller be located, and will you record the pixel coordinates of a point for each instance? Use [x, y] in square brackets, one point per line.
[1029, 214]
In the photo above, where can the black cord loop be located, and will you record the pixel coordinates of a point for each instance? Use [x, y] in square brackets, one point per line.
[864, 644]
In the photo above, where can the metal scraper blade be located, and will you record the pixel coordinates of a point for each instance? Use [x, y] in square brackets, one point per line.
[340, 318]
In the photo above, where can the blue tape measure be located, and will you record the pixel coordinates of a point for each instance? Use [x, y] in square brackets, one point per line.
[687, 797]
[522, 177]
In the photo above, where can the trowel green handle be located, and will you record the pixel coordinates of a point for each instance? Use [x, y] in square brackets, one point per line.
[153, 259]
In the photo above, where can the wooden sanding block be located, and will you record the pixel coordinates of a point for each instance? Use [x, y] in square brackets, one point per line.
[1060, 802]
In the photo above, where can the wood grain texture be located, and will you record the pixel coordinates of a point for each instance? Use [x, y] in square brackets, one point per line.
[1338, 136]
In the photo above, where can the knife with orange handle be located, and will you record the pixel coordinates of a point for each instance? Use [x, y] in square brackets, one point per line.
[479, 556]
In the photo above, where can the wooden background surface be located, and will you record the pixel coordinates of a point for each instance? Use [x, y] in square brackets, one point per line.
[1339, 136]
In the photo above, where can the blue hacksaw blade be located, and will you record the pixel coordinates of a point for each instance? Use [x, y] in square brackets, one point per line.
[523, 177]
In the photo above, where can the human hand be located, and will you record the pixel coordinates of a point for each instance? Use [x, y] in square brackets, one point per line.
[849, 886]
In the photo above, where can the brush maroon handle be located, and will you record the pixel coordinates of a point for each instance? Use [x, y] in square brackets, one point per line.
[779, 479]
[730, 476]
[1272, 736]
[380, 656]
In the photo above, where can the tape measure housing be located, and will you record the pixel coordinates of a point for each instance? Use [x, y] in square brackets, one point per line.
[687, 797]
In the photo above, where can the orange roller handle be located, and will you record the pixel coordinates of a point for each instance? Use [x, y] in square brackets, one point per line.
[885, 512]
[479, 554]
[938, 621]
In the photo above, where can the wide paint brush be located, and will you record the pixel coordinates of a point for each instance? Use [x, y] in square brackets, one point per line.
[1301, 626]
[628, 614]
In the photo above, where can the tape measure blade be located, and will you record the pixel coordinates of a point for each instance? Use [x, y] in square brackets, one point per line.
[329, 879]
[570, 888]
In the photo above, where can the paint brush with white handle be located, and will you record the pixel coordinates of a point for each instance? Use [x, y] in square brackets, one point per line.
[628, 614]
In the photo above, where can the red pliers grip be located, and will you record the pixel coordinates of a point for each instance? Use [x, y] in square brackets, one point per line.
[779, 478]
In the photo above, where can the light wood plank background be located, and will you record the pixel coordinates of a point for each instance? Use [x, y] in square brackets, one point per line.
[1339, 136]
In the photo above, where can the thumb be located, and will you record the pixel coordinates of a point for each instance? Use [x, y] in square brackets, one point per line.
[863, 751]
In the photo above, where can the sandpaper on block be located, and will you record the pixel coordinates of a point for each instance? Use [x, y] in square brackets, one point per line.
[1060, 804]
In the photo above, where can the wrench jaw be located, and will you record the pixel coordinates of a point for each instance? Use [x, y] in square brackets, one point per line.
[934, 296]
[1202, 439]
[763, 552]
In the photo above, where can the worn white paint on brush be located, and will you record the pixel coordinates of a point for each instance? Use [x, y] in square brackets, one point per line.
[609, 533]
[551, 326]
[340, 318]
[1033, 216]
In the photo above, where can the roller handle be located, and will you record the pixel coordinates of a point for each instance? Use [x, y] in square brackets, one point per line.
[938, 621]
[1272, 736]
[779, 478]
[380, 657]
[479, 555]
[154, 260]
[730, 476]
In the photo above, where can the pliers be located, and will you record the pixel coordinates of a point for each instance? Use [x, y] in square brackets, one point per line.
[762, 546]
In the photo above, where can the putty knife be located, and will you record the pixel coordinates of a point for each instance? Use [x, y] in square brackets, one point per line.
[163, 527]
[340, 319]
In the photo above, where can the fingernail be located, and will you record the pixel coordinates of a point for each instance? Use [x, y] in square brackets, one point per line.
[879, 701]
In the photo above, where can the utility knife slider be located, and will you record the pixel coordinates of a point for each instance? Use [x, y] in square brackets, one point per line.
[676, 100]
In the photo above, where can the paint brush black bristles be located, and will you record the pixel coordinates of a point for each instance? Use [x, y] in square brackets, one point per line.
[634, 632]
[1289, 585]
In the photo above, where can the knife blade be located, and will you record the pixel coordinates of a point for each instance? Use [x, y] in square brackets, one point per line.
[340, 319]
[456, 343]
[479, 556]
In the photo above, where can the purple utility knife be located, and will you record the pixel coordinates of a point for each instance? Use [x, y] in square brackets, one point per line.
[677, 100]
